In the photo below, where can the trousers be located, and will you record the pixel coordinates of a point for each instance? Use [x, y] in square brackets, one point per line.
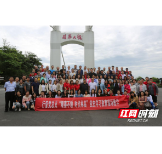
[9, 97]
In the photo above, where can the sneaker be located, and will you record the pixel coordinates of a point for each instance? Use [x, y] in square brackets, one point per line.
[28, 109]
[19, 109]
[15, 109]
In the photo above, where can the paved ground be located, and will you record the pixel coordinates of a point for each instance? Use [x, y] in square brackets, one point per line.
[71, 118]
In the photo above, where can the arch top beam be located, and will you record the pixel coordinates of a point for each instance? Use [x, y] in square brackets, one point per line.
[72, 42]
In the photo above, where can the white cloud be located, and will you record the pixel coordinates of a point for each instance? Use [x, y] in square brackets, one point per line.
[137, 47]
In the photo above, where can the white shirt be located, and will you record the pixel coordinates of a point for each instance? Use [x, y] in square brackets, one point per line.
[149, 98]
[68, 70]
[85, 71]
[133, 88]
[93, 95]
[73, 80]
[43, 88]
[71, 74]
[123, 75]
[102, 81]
[81, 81]
[92, 85]
[54, 87]
[50, 86]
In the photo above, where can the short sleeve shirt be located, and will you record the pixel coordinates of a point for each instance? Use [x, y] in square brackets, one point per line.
[92, 85]
[10, 87]
[28, 85]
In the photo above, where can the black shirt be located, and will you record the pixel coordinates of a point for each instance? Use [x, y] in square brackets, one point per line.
[18, 99]
[83, 87]
[91, 74]
[99, 95]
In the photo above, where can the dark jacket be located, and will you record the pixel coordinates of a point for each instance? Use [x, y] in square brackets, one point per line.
[83, 87]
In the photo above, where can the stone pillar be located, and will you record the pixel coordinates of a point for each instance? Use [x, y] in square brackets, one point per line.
[89, 49]
[55, 48]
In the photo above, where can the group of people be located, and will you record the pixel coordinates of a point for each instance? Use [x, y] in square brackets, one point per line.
[68, 83]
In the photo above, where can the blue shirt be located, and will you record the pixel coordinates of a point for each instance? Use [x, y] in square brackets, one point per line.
[52, 71]
[10, 86]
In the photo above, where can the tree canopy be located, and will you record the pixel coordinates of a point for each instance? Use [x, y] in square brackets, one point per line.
[14, 63]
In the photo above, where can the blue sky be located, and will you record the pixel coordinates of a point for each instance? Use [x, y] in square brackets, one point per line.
[137, 47]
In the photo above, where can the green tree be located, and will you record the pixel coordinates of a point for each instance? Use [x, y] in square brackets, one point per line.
[155, 80]
[14, 63]
[138, 78]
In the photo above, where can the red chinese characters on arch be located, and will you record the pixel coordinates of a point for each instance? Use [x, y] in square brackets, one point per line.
[79, 37]
[64, 36]
[69, 36]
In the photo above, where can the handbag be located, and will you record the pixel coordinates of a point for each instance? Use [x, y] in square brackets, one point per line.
[147, 104]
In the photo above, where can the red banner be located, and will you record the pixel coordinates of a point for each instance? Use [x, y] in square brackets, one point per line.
[81, 103]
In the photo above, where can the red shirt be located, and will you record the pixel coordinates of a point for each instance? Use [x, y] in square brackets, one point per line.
[85, 76]
[71, 86]
[127, 72]
[34, 74]
[145, 82]
[118, 75]
[118, 71]
[67, 85]
[77, 87]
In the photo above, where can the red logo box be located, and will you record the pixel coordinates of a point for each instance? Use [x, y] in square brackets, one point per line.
[128, 113]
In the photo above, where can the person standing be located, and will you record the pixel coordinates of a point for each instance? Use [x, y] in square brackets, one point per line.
[127, 87]
[80, 71]
[141, 87]
[60, 86]
[48, 75]
[54, 88]
[76, 86]
[100, 86]
[133, 87]
[68, 69]
[52, 79]
[153, 89]
[35, 87]
[27, 86]
[72, 72]
[52, 69]
[38, 76]
[31, 78]
[66, 85]
[17, 80]
[57, 70]
[24, 78]
[92, 85]
[43, 87]
[63, 69]
[43, 78]
[10, 93]
[20, 87]
[84, 87]
[75, 69]
[122, 74]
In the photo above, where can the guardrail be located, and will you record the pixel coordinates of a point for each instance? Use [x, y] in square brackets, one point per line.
[1, 78]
